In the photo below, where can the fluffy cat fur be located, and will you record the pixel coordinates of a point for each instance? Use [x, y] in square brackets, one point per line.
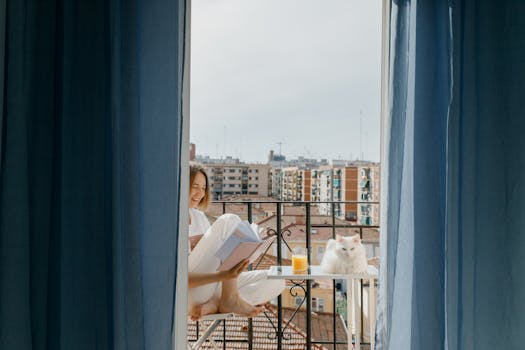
[344, 255]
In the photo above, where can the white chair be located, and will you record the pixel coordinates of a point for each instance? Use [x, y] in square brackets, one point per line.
[216, 320]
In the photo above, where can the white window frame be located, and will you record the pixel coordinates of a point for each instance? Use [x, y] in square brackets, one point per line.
[180, 324]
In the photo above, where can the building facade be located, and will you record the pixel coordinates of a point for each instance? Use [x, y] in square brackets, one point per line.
[238, 179]
[356, 184]
[291, 184]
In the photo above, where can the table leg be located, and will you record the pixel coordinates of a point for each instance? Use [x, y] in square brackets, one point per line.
[357, 318]
[349, 313]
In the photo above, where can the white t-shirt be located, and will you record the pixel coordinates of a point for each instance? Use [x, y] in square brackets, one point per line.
[199, 222]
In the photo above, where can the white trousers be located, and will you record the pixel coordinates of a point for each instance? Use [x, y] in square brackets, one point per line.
[253, 286]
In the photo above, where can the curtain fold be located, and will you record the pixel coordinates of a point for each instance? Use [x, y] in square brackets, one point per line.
[90, 171]
[487, 163]
[454, 170]
[3, 25]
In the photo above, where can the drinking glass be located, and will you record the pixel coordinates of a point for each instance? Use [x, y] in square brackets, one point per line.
[299, 260]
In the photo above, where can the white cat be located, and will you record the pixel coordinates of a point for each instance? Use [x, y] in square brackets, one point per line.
[344, 255]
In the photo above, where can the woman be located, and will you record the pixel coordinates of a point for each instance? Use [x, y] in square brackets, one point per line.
[226, 291]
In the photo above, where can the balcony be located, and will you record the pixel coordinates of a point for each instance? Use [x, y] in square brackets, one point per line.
[308, 314]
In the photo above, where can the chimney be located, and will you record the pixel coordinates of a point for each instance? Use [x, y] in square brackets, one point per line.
[192, 151]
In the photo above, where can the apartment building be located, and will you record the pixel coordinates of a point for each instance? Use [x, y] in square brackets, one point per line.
[193, 150]
[291, 184]
[368, 191]
[329, 189]
[275, 183]
[227, 179]
[306, 188]
[358, 183]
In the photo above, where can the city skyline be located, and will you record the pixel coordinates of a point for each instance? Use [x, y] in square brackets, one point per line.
[208, 159]
[289, 76]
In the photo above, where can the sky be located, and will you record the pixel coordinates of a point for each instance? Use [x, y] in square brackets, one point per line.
[300, 76]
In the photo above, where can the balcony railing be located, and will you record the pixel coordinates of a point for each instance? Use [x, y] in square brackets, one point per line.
[281, 327]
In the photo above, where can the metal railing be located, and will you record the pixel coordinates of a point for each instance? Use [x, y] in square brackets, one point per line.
[281, 234]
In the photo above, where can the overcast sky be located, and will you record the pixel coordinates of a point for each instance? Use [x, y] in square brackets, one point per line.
[305, 73]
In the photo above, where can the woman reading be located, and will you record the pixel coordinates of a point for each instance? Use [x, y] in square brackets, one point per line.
[212, 291]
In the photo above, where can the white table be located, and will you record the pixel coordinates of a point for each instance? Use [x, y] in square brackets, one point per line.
[353, 280]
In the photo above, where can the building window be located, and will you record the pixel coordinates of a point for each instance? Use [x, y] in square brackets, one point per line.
[320, 253]
[317, 304]
[298, 301]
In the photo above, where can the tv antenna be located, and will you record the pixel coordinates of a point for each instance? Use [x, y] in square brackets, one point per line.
[280, 146]
[361, 134]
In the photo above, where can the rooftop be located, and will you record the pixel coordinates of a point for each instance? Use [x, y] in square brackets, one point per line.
[263, 333]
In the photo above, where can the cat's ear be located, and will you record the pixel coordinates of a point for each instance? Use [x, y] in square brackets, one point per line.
[356, 239]
[339, 238]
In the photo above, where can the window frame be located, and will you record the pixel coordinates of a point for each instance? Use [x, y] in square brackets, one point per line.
[180, 322]
[180, 313]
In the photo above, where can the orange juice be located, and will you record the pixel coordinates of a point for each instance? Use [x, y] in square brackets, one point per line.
[299, 263]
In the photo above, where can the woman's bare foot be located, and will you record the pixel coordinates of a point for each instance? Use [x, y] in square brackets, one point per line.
[236, 305]
[195, 312]
[209, 307]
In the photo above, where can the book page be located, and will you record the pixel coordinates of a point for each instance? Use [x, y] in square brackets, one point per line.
[228, 246]
[245, 250]
[247, 231]
[243, 232]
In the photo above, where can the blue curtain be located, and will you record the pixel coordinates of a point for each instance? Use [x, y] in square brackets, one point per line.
[453, 238]
[91, 123]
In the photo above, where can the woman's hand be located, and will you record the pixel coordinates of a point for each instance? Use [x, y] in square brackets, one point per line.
[235, 271]
[199, 279]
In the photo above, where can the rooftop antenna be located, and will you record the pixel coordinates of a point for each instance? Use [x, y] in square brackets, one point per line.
[224, 144]
[240, 147]
[280, 153]
[361, 133]
[307, 152]
[280, 145]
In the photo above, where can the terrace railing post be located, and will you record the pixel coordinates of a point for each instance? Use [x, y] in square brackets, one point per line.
[334, 309]
[224, 334]
[250, 215]
[250, 323]
[361, 285]
[279, 262]
[250, 334]
[308, 282]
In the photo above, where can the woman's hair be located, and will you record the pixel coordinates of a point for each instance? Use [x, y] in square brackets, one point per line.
[205, 201]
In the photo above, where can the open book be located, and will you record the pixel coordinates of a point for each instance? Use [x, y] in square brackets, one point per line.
[243, 243]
